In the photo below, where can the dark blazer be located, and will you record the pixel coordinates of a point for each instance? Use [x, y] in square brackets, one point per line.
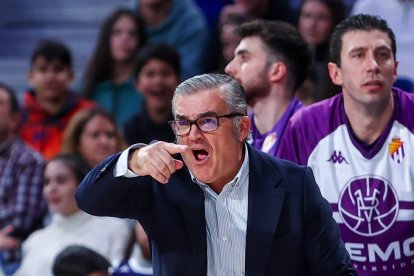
[290, 229]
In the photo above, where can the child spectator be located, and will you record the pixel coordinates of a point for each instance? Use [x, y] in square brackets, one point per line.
[49, 105]
[157, 71]
[138, 261]
[77, 260]
[109, 77]
[69, 225]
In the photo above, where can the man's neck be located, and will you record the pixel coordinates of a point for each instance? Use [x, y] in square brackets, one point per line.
[268, 110]
[154, 15]
[369, 121]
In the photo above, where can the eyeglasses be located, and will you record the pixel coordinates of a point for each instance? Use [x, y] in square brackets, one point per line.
[209, 123]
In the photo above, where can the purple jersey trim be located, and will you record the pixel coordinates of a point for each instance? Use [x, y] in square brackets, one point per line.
[402, 205]
[406, 205]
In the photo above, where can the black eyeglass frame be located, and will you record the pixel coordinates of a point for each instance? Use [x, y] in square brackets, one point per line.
[194, 122]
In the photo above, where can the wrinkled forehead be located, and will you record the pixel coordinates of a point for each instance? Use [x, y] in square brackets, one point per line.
[195, 104]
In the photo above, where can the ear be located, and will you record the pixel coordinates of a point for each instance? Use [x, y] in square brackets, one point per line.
[335, 73]
[277, 71]
[244, 128]
[395, 70]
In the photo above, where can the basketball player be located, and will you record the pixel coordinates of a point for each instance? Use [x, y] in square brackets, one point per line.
[271, 62]
[360, 145]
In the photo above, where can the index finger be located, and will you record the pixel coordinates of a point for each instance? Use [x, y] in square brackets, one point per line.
[174, 148]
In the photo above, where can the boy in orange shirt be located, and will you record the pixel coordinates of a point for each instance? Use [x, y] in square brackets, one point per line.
[49, 105]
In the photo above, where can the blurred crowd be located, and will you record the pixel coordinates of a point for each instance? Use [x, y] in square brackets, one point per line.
[58, 132]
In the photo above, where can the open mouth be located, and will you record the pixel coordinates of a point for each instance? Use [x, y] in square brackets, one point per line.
[54, 201]
[157, 93]
[200, 154]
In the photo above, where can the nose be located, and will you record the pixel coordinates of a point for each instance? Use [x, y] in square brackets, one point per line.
[50, 74]
[158, 79]
[49, 188]
[230, 69]
[372, 62]
[313, 21]
[125, 34]
[194, 134]
[104, 139]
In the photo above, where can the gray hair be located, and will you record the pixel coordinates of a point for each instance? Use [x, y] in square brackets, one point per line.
[231, 91]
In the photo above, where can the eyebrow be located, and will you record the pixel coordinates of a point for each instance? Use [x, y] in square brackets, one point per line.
[241, 52]
[204, 114]
[381, 47]
[357, 49]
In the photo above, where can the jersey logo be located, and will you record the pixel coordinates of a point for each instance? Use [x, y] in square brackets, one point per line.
[269, 142]
[368, 205]
[396, 149]
[337, 158]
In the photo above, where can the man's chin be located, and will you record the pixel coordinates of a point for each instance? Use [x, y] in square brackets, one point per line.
[200, 175]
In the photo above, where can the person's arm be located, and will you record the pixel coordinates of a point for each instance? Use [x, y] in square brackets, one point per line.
[106, 191]
[324, 250]
[25, 210]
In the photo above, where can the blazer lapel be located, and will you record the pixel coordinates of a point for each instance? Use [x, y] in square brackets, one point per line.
[264, 208]
[190, 200]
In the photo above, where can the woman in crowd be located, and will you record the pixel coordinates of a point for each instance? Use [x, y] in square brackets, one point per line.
[317, 20]
[109, 77]
[93, 135]
[229, 39]
[69, 225]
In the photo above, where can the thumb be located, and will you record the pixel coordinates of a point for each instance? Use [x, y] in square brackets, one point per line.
[178, 164]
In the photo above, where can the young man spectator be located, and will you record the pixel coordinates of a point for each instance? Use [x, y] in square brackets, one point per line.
[21, 201]
[157, 75]
[359, 146]
[271, 62]
[224, 208]
[49, 105]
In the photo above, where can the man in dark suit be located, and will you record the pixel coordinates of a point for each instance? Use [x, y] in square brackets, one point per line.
[224, 208]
